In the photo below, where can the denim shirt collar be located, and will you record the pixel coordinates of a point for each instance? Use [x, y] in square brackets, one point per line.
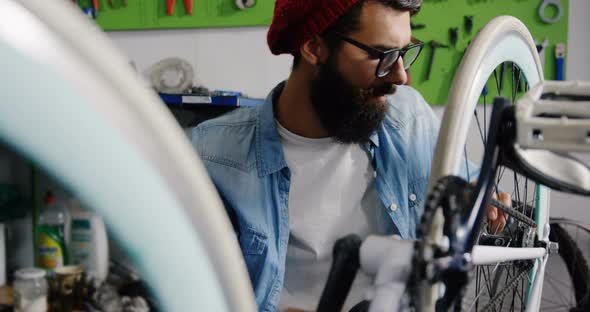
[269, 151]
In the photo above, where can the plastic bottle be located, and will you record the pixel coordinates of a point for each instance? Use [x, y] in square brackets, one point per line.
[30, 290]
[88, 242]
[51, 234]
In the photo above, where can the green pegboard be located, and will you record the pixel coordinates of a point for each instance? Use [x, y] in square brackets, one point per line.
[440, 15]
[151, 14]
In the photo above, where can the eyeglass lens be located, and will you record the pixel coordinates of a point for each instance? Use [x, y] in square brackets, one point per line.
[389, 60]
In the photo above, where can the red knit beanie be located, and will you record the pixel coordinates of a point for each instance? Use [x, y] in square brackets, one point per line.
[296, 21]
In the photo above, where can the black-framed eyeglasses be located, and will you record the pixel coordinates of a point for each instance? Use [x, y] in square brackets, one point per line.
[387, 59]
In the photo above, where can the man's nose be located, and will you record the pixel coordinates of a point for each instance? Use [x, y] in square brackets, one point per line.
[397, 75]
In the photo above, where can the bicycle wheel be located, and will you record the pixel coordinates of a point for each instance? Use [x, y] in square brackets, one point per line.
[506, 285]
[567, 276]
[109, 140]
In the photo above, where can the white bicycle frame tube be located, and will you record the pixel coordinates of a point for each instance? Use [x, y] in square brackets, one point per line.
[482, 255]
[389, 260]
[534, 296]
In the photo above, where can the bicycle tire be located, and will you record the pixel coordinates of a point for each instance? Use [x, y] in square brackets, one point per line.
[576, 265]
[503, 39]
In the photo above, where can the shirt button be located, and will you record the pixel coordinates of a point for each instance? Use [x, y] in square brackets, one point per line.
[374, 174]
[413, 197]
[393, 207]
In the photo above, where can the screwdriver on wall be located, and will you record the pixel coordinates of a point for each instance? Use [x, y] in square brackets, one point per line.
[433, 46]
[188, 6]
[112, 5]
[454, 35]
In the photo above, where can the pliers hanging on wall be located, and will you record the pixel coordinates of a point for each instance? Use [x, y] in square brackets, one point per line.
[188, 5]
[111, 3]
[94, 5]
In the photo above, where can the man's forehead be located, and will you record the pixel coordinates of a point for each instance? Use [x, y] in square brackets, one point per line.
[384, 26]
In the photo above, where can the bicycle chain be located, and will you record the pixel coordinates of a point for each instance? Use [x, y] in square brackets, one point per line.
[418, 273]
[513, 283]
[514, 213]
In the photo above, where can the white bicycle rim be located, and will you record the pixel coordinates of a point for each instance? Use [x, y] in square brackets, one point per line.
[70, 102]
[504, 39]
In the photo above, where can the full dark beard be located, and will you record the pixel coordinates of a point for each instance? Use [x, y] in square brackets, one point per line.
[345, 111]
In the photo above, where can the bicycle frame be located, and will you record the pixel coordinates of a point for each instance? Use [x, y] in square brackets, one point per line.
[513, 126]
[466, 235]
[561, 110]
[566, 124]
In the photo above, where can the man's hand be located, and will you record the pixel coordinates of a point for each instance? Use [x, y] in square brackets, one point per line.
[496, 217]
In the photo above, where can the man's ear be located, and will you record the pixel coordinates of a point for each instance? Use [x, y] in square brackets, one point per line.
[314, 51]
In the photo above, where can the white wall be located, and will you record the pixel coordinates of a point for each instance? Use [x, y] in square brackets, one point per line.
[239, 59]
[226, 58]
[578, 65]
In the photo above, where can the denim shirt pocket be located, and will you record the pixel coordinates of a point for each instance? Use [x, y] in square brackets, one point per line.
[254, 248]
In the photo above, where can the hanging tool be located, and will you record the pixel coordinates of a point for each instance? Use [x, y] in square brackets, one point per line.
[468, 23]
[454, 34]
[433, 46]
[170, 7]
[556, 5]
[559, 61]
[245, 4]
[541, 50]
[188, 6]
[112, 5]
[89, 11]
[417, 26]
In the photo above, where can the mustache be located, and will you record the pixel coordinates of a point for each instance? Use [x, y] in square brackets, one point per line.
[384, 89]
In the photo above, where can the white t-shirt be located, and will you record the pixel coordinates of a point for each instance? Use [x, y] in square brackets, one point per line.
[332, 194]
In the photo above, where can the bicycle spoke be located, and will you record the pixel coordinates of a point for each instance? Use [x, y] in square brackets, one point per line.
[514, 86]
[557, 285]
[558, 281]
[526, 188]
[485, 121]
[556, 290]
[479, 126]
[466, 164]
[488, 281]
[479, 291]
[533, 204]
[496, 79]
[505, 282]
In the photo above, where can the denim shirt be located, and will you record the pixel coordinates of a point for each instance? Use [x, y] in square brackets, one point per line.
[243, 154]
